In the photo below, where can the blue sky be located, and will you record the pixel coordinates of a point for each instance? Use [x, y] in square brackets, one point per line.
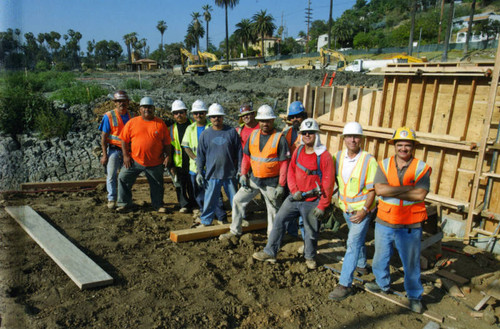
[110, 20]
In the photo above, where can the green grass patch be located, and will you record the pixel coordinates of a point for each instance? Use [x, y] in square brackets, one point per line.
[136, 84]
[79, 93]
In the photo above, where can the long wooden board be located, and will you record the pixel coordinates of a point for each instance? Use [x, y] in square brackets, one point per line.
[77, 183]
[78, 266]
[199, 233]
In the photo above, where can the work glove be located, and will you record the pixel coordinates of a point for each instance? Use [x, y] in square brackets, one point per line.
[297, 196]
[244, 181]
[175, 179]
[200, 180]
[316, 214]
[278, 193]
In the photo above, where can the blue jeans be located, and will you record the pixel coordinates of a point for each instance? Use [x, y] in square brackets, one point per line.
[127, 178]
[355, 255]
[115, 161]
[212, 197]
[407, 243]
[289, 211]
[199, 196]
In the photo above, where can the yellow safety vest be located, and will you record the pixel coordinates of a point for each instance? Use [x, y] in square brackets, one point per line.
[176, 145]
[355, 191]
[190, 140]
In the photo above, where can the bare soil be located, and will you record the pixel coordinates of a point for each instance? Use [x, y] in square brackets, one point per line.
[199, 284]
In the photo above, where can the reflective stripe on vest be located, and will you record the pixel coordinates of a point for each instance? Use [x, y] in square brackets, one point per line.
[191, 136]
[176, 144]
[397, 211]
[316, 172]
[116, 126]
[264, 163]
[287, 132]
[349, 194]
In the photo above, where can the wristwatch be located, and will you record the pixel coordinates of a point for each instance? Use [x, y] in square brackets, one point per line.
[365, 209]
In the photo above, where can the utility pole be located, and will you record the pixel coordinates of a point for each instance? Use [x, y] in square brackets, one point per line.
[441, 21]
[412, 27]
[308, 21]
[448, 32]
[469, 28]
[330, 24]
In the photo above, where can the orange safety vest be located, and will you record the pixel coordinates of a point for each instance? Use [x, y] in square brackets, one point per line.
[116, 125]
[288, 137]
[264, 163]
[397, 211]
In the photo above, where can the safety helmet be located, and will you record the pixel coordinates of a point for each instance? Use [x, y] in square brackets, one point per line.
[352, 128]
[147, 101]
[215, 109]
[245, 109]
[199, 106]
[309, 125]
[178, 105]
[120, 95]
[296, 108]
[265, 112]
[404, 134]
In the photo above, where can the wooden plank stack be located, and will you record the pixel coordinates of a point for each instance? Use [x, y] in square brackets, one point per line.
[454, 109]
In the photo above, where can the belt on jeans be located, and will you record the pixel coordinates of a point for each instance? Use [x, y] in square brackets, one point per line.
[113, 147]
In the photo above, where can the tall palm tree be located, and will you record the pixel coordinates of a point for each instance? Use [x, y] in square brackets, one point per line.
[225, 4]
[208, 17]
[245, 33]
[130, 39]
[263, 25]
[196, 29]
[162, 27]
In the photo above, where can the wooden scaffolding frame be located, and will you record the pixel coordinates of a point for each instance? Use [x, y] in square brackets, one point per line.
[454, 109]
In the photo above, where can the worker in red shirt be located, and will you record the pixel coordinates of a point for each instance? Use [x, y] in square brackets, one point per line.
[311, 170]
[249, 123]
[146, 148]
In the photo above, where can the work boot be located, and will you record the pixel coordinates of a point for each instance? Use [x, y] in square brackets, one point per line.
[111, 204]
[222, 222]
[340, 292]
[311, 264]
[362, 270]
[374, 287]
[228, 236]
[162, 210]
[416, 306]
[264, 257]
[184, 210]
[196, 213]
[301, 249]
[245, 223]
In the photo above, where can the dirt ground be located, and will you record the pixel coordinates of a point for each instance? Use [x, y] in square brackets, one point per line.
[199, 284]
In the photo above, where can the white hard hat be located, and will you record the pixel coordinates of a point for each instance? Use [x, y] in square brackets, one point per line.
[178, 105]
[215, 109]
[352, 128]
[309, 125]
[146, 101]
[265, 112]
[198, 106]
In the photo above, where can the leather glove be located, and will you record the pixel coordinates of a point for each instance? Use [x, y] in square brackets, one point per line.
[297, 196]
[244, 181]
[316, 214]
[279, 192]
[200, 180]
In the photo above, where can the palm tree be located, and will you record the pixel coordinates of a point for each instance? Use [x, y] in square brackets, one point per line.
[208, 17]
[245, 33]
[225, 4]
[263, 25]
[162, 27]
[129, 40]
[196, 29]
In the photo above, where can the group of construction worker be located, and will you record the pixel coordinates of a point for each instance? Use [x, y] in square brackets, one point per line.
[292, 171]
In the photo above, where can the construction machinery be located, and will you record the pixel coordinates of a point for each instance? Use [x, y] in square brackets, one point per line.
[206, 57]
[190, 64]
[327, 54]
[404, 58]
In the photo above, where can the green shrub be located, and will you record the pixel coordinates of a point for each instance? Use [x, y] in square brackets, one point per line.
[136, 84]
[51, 122]
[42, 66]
[79, 93]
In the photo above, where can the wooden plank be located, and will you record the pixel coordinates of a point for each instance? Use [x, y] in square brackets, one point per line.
[484, 138]
[439, 171]
[199, 233]
[407, 102]
[392, 105]
[470, 104]
[372, 107]
[359, 104]
[482, 302]
[332, 104]
[435, 91]
[452, 276]
[78, 183]
[455, 177]
[421, 98]
[431, 240]
[452, 105]
[345, 103]
[78, 266]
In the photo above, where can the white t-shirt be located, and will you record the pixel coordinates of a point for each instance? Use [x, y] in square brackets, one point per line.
[348, 166]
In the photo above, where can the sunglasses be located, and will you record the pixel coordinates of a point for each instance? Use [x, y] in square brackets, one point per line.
[199, 113]
[179, 113]
[297, 116]
[216, 117]
[308, 132]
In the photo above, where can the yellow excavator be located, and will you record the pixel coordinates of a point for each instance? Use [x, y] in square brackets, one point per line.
[190, 64]
[209, 57]
[327, 54]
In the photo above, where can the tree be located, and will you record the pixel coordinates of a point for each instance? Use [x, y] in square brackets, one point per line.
[162, 27]
[225, 4]
[196, 29]
[487, 27]
[208, 17]
[263, 25]
[244, 34]
[130, 39]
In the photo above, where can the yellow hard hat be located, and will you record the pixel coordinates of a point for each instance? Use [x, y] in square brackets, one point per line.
[404, 134]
